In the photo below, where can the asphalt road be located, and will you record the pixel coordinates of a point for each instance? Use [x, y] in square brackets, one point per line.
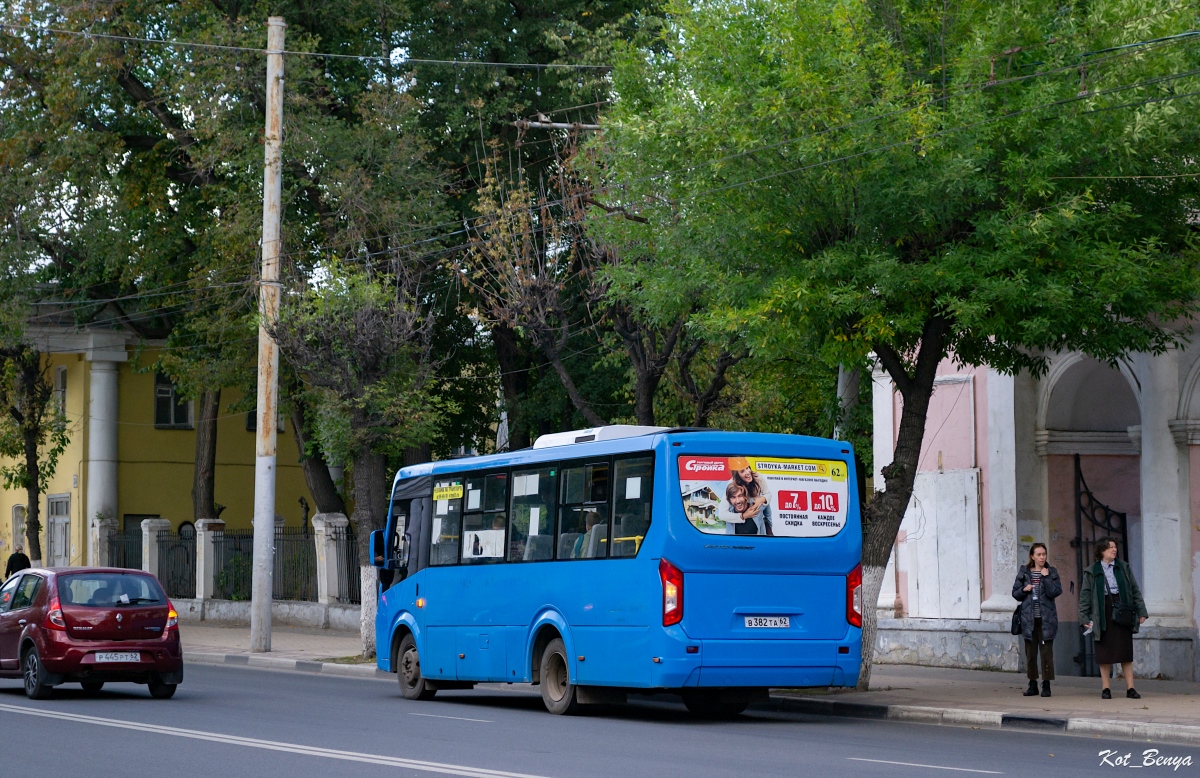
[231, 721]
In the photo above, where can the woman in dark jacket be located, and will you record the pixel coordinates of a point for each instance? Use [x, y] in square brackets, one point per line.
[1036, 587]
[1109, 587]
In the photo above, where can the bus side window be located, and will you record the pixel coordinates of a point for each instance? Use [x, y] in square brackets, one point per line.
[633, 495]
[583, 517]
[447, 522]
[484, 521]
[531, 514]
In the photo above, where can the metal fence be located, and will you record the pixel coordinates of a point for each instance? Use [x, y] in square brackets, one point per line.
[125, 550]
[233, 563]
[349, 577]
[295, 571]
[177, 563]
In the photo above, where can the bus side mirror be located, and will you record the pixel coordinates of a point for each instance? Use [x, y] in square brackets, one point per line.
[379, 548]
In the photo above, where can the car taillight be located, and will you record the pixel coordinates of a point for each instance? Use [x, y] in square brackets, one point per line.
[54, 616]
[854, 597]
[672, 584]
[172, 616]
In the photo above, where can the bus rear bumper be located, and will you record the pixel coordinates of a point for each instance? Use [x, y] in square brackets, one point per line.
[769, 663]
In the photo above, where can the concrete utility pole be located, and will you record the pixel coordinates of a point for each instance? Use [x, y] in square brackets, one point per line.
[268, 351]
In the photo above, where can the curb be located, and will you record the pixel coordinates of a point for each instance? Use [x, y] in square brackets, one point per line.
[1176, 734]
[280, 663]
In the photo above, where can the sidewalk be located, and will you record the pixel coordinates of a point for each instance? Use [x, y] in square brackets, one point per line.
[1168, 712]
[326, 651]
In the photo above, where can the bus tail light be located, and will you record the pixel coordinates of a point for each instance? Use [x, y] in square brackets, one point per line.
[672, 584]
[854, 597]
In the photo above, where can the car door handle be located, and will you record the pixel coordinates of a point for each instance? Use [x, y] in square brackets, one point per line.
[21, 623]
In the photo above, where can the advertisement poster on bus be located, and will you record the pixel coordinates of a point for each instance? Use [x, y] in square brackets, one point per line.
[745, 495]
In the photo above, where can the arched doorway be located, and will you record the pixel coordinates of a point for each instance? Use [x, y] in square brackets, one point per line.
[1089, 433]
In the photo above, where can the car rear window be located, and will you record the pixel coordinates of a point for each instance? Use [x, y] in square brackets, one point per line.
[107, 590]
[768, 496]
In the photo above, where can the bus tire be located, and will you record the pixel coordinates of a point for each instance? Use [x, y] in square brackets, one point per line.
[412, 683]
[558, 693]
[709, 705]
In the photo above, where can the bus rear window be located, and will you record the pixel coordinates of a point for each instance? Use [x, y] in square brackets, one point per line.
[768, 496]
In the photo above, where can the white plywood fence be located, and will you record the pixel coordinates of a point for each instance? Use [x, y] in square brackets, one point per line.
[939, 554]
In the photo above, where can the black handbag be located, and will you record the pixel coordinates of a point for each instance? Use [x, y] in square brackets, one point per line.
[1016, 621]
[1125, 614]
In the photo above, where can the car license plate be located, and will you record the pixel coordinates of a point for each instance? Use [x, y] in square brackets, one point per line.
[118, 656]
[769, 622]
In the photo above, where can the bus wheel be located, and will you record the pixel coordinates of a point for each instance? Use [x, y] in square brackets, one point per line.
[558, 693]
[412, 685]
[709, 705]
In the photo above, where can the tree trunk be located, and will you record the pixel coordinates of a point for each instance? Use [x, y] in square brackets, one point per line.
[884, 513]
[847, 399]
[316, 469]
[514, 383]
[371, 496]
[204, 497]
[706, 401]
[644, 387]
[577, 400]
[33, 498]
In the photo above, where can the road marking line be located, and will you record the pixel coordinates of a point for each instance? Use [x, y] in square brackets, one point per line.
[456, 718]
[270, 745]
[929, 766]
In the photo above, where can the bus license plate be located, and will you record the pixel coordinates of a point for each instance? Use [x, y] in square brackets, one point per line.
[770, 622]
[118, 656]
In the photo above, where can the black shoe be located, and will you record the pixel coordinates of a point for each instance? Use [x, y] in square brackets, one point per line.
[1045, 688]
[1132, 694]
[1031, 691]
[1106, 694]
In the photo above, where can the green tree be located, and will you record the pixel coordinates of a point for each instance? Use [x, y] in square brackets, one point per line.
[908, 182]
[33, 429]
[131, 171]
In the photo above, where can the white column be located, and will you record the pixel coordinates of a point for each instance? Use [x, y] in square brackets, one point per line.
[207, 532]
[101, 500]
[883, 443]
[325, 526]
[1164, 540]
[1001, 510]
[150, 530]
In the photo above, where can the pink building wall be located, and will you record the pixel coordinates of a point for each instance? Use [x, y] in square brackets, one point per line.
[956, 410]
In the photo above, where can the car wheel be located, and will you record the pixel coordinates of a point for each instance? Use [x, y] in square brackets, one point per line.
[160, 690]
[34, 675]
[707, 704]
[558, 693]
[412, 684]
[92, 686]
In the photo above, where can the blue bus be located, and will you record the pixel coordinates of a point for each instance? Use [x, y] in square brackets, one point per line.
[604, 561]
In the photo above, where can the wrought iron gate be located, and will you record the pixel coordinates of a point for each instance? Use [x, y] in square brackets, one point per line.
[1093, 520]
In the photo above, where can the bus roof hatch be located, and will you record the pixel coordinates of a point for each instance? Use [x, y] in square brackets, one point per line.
[611, 432]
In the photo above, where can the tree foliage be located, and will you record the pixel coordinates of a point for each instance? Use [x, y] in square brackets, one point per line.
[907, 182]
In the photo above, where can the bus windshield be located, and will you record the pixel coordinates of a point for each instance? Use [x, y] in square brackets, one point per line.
[769, 496]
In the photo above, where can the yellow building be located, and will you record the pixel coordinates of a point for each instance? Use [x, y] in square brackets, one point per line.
[131, 454]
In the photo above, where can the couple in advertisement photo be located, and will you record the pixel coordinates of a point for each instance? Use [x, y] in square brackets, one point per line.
[771, 497]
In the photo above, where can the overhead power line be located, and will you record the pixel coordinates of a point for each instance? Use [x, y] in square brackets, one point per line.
[316, 54]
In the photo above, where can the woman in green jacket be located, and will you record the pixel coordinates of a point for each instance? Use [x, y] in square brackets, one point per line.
[1109, 587]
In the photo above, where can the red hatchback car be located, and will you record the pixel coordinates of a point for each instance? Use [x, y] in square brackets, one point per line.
[89, 626]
